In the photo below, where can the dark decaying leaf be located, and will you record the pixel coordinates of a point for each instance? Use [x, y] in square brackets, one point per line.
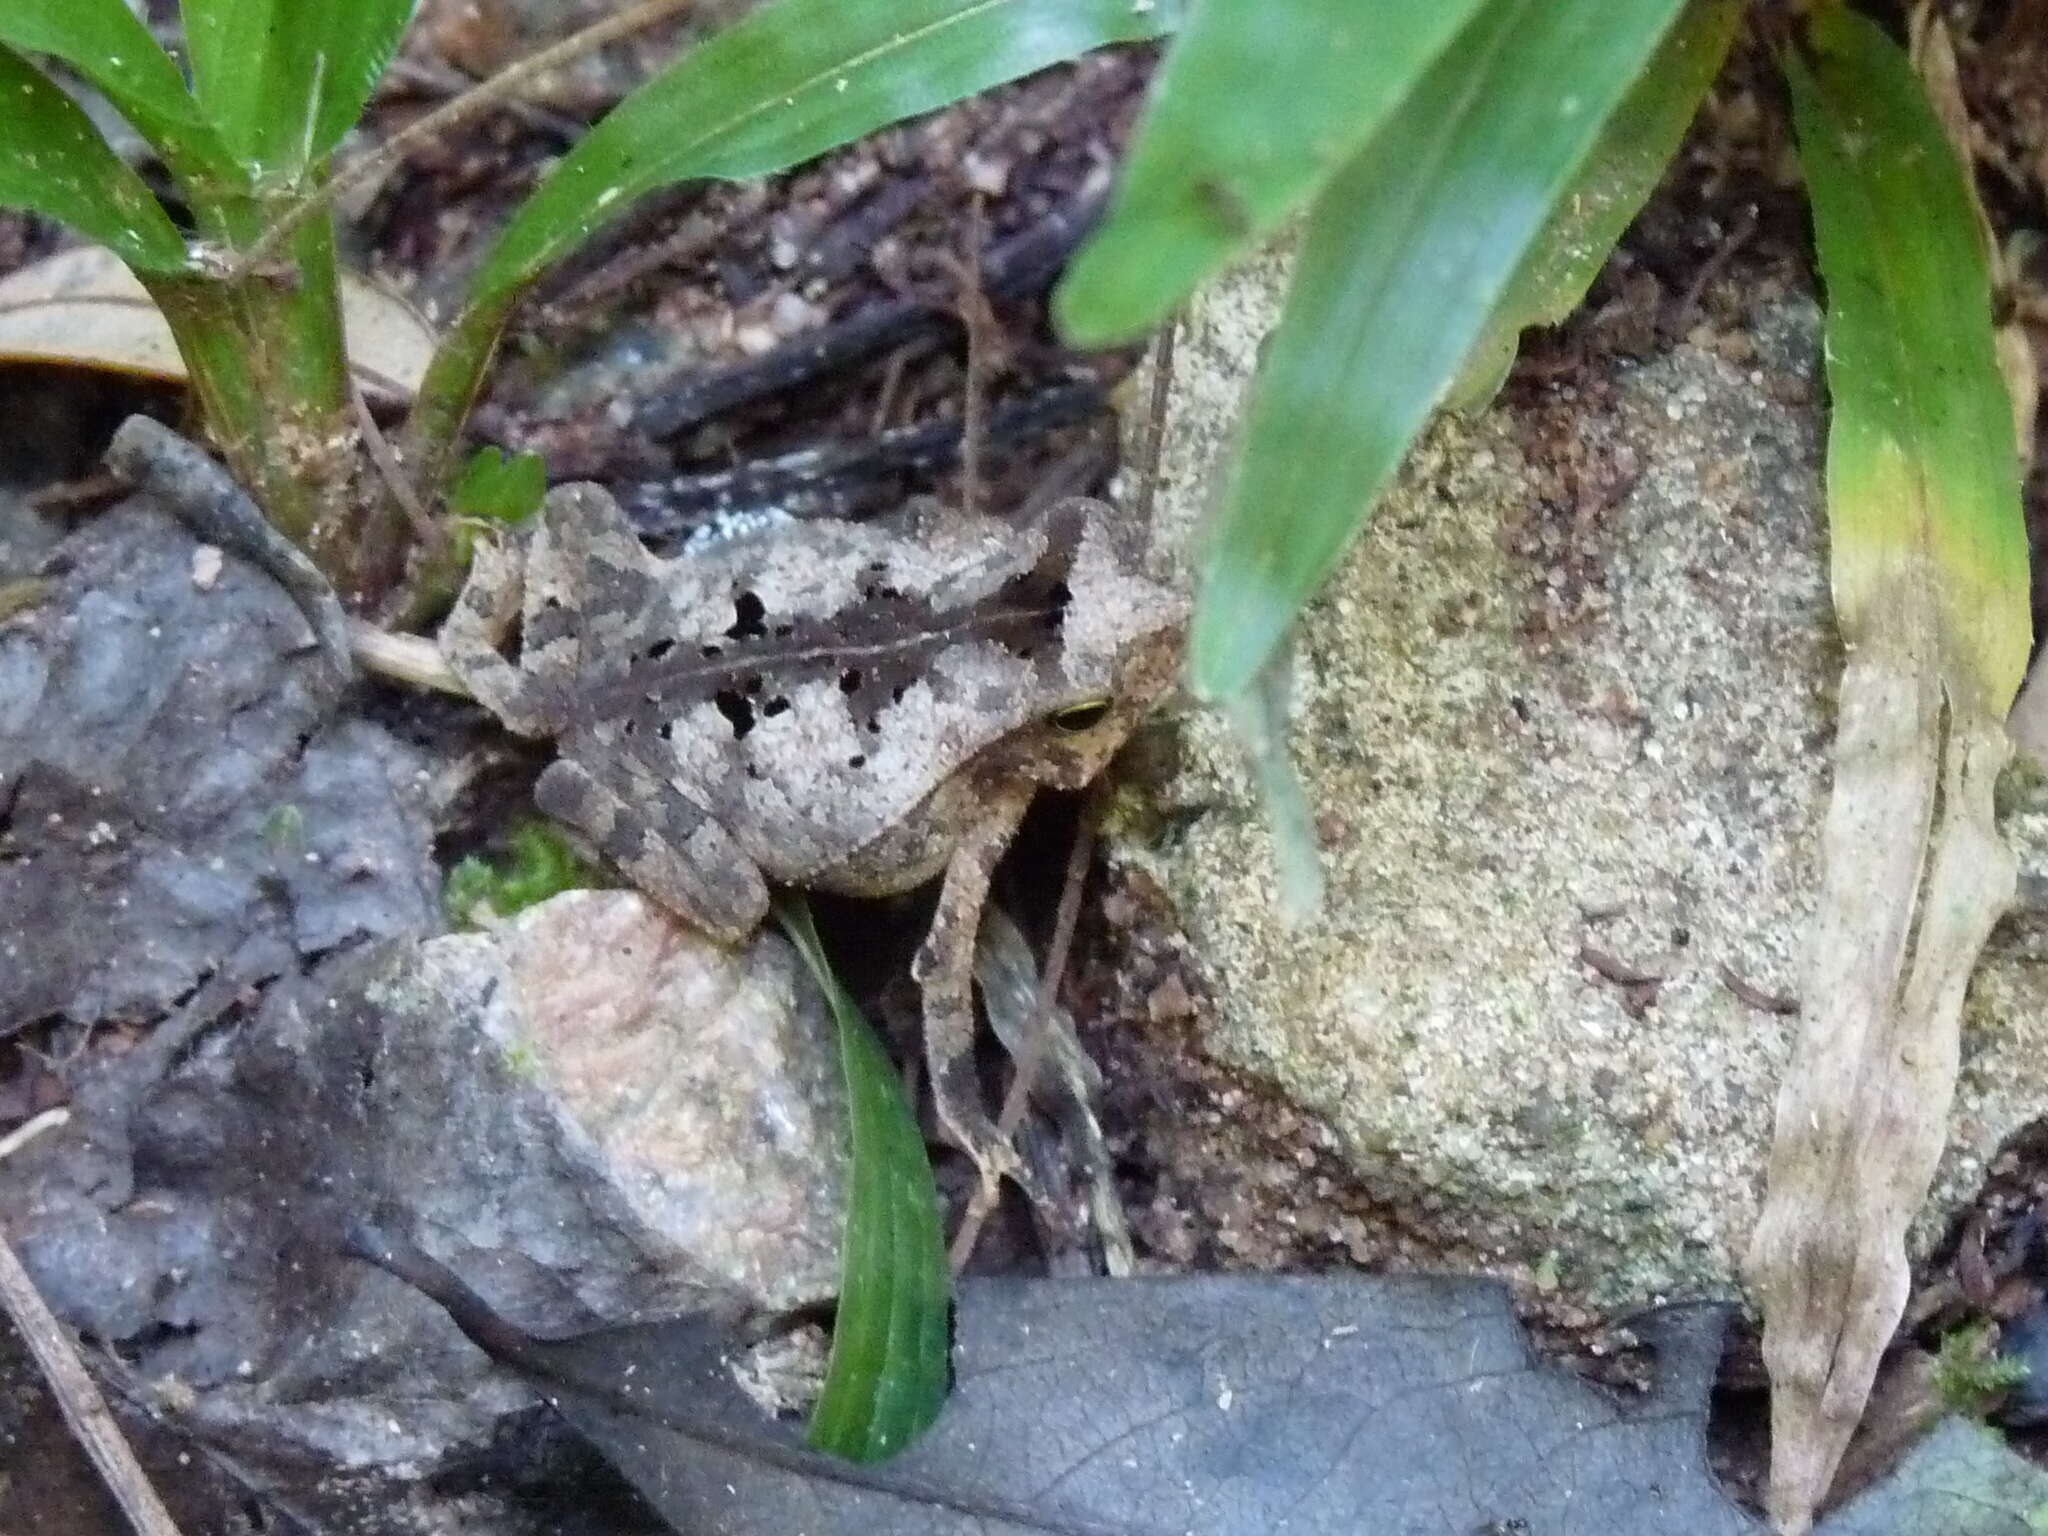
[886, 1379]
[1225, 1406]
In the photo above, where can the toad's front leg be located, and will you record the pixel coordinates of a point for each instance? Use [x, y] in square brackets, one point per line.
[477, 627]
[944, 969]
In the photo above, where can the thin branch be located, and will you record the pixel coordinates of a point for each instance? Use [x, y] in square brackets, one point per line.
[29, 1130]
[1155, 421]
[972, 302]
[471, 103]
[425, 528]
[83, 1407]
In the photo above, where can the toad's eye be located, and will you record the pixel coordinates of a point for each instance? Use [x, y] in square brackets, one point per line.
[1081, 716]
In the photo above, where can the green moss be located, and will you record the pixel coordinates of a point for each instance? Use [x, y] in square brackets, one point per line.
[538, 863]
[1969, 1373]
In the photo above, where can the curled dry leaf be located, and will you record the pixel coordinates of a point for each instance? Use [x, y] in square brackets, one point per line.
[83, 308]
[1930, 587]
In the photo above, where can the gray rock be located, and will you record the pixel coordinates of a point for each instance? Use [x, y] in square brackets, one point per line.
[180, 804]
[592, 1115]
[1555, 736]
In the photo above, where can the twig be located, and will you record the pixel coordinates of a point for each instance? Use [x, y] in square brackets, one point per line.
[83, 1407]
[1155, 422]
[885, 397]
[426, 529]
[828, 480]
[972, 303]
[1681, 317]
[1033, 1056]
[410, 659]
[29, 1130]
[1756, 996]
[1616, 970]
[469, 104]
[444, 82]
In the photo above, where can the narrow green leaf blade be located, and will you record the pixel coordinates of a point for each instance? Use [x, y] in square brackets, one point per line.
[285, 79]
[1258, 105]
[1406, 255]
[1921, 455]
[104, 42]
[887, 1377]
[54, 162]
[790, 81]
[1633, 151]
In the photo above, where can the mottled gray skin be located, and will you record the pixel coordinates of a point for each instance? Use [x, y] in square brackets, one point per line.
[849, 707]
[627, 657]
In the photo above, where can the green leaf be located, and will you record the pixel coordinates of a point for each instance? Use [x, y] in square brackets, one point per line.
[1638, 144]
[888, 1373]
[1921, 453]
[498, 488]
[790, 81]
[104, 42]
[1258, 105]
[285, 79]
[54, 162]
[1406, 255]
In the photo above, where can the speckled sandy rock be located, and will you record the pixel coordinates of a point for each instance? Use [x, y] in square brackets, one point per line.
[631, 1117]
[1564, 717]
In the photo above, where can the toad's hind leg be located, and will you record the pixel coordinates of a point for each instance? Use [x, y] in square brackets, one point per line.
[945, 972]
[668, 847]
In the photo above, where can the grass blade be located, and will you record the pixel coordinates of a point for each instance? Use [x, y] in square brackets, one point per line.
[285, 79]
[104, 42]
[53, 161]
[1258, 105]
[1930, 579]
[1407, 254]
[888, 1373]
[790, 81]
[1626, 166]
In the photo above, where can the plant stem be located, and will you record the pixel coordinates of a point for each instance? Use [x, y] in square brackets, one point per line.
[267, 364]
